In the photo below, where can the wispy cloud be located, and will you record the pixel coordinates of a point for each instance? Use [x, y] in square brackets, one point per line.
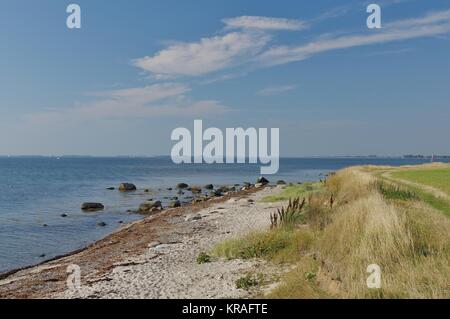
[206, 56]
[264, 23]
[390, 52]
[156, 100]
[276, 90]
[433, 24]
[252, 45]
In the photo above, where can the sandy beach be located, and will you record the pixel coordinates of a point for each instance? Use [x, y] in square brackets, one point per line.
[156, 257]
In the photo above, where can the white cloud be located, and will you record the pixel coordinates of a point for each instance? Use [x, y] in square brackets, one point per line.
[151, 101]
[264, 23]
[275, 90]
[437, 23]
[206, 56]
[250, 46]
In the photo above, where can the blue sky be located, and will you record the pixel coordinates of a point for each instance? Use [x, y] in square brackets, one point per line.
[137, 70]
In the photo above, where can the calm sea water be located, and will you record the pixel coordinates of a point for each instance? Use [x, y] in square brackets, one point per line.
[36, 191]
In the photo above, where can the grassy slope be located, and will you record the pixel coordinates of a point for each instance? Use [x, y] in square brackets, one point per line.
[332, 247]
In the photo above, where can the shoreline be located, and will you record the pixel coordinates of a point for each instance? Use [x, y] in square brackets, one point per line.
[186, 199]
[49, 277]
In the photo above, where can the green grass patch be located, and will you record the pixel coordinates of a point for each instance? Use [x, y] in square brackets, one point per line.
[396, 192]
[203, 258]
[437, 178]
[294, 191]
[248, 281]
[278, 245]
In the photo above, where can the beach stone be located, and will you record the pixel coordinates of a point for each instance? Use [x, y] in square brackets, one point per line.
[153, 244]
[182, 186]
[192, 217]
[92, 207]
[281, 182]
[150, 206]
[127, 187]
[175, 203]
[259, 185]
[262, 180]
[227, 189]
[217, 193]
[209, 187]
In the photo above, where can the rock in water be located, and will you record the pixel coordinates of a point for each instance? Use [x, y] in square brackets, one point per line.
[182, 186]
[92, 207]
[196, 189]
[209, 186]
[150, 206]
[175, 203]
[262, 180]
[127, 187]
[281, 182]
[101, 224]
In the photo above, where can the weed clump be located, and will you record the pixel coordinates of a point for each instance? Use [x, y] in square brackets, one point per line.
[203, 258]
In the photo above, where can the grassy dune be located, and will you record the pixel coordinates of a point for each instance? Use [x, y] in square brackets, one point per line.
[355, 219]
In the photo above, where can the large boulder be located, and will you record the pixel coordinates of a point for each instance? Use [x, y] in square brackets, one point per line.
[262, 180]
[150, 207]
[127, 187]
[216, 193]
[92, 207]
[182, 186]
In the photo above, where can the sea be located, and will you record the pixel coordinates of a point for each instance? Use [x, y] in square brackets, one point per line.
[35, 193]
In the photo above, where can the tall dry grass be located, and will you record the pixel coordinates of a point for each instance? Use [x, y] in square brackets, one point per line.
[349, 224]
[410, 242]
